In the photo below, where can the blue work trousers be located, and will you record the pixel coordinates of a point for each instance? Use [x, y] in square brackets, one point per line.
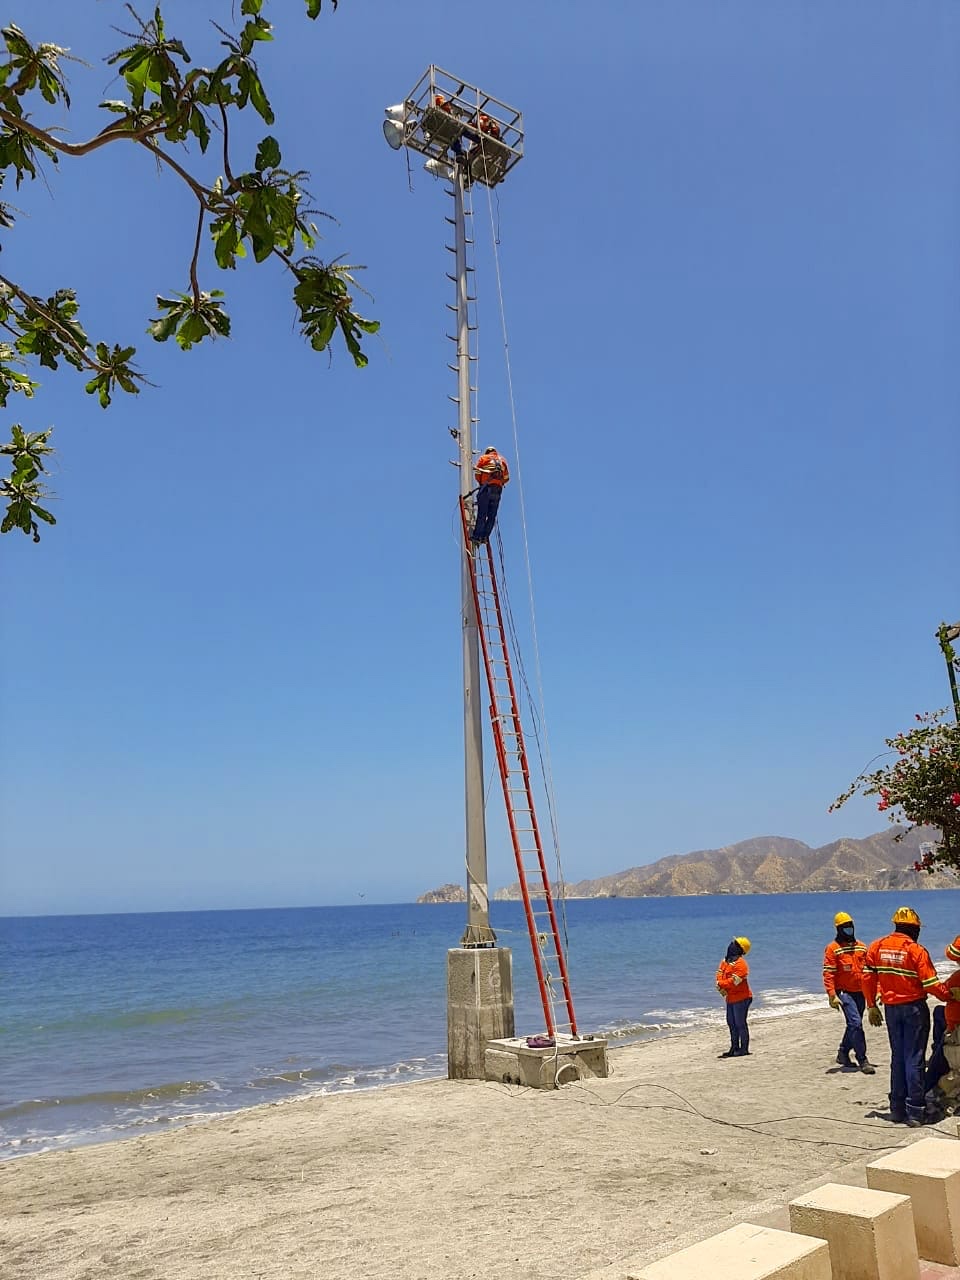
[737, 1022]
[852, 1003]
[488, 503]
[908, 1027]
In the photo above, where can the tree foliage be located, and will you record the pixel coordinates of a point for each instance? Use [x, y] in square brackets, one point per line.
[175, 109]
[921, 784]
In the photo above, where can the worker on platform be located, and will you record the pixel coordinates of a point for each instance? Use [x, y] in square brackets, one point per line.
[734, 986]
[843, 982]
[491, 474]
[488, 125]
[900, 970]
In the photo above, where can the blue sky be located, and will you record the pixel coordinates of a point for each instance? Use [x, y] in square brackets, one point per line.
[730, 268]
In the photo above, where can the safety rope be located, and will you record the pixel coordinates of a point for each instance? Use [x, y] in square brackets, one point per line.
[544, 750]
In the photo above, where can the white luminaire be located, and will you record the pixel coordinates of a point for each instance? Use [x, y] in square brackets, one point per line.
[439, 169]
[393, 132]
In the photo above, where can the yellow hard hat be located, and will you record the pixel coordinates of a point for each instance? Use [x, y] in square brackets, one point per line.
[743, 943]
[842, 918]
[905, 915]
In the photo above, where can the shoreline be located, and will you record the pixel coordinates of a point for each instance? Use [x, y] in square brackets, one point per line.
[453, 1178]
[787, 1002]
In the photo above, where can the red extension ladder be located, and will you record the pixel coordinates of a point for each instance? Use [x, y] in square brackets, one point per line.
[548, 958]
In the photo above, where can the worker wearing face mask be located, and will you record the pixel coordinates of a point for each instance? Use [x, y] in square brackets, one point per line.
[734, 985]
[901, 970]
[843, 983]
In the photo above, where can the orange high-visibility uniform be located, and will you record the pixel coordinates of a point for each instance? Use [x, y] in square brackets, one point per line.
[901, 970]
[843, 966]
[491, 468]
[728, 988]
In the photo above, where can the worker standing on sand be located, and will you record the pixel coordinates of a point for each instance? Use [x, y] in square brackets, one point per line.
[843, 983]
[733, 985]
[901, 970]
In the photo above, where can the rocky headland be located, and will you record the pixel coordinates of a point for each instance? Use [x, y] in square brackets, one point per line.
[764, 864]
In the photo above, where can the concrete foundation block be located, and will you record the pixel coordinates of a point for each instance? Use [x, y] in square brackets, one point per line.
[512, 1061]
[744, 1252]
[479, 1006]
[929, 1173]
[870, 1234]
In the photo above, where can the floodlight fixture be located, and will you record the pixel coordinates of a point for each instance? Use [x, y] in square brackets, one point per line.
[393, 132]
[440, 169]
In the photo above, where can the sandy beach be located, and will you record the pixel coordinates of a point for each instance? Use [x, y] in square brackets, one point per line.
[462, 1180]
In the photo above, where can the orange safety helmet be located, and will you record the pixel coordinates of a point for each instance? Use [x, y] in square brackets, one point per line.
[952, 951]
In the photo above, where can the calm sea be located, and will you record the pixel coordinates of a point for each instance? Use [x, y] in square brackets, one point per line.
[118, 1025]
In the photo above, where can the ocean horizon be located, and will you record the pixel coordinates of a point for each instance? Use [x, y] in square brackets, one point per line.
[117, 1025]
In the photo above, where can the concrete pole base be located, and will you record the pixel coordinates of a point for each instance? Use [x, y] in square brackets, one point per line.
[479, 1006]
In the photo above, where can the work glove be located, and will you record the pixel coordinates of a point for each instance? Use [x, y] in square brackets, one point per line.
[834, 1002]
[737, 979]
[875, 1017]
[955, 993]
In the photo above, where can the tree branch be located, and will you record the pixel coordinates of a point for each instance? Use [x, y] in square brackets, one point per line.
[54, 323]
[201, 192]
[226, 144]
[113, 134]
[194, 282]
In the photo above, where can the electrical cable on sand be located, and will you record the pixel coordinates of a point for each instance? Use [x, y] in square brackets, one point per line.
[688, 1108]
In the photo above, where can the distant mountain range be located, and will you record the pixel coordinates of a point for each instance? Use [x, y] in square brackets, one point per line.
[765, 864]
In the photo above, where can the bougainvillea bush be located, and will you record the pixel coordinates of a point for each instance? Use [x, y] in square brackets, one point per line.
[920, 783]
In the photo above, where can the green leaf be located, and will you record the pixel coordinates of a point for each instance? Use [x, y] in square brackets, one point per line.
[162, 329]
[268, 154]
[259, 99]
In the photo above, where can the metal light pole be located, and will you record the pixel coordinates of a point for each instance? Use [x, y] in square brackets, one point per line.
[945, 635]
[478, 932]
[467, 137]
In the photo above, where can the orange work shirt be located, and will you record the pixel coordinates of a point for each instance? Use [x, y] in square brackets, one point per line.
[733, 991]
[843, 966]
[901, 970]
[492, 469]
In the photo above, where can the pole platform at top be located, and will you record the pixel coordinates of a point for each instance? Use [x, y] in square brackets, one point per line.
[443, 114]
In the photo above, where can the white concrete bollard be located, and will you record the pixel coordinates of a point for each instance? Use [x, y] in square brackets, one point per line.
[870, 1233]
[929, 1173]
[744, 1252]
